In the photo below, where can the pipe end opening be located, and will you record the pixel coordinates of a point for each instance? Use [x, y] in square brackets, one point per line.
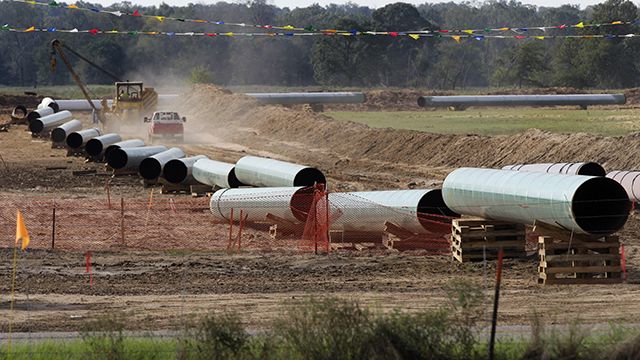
[309, 177]
[601, 206]
[150, 168]
[175, 171]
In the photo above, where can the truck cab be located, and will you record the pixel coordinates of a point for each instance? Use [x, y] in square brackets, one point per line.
[165, 124]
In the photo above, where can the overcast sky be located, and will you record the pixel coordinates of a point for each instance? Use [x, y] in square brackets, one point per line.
[370, 3]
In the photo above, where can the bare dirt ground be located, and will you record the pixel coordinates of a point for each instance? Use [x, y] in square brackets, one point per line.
[157, 290]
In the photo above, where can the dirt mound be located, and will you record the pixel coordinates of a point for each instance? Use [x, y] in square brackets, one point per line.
[13, 100]
[248, 123]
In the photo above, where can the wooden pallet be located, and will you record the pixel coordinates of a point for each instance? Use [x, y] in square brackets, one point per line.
[401, 239]
[477, 239]
[567, 260]
[354, 240]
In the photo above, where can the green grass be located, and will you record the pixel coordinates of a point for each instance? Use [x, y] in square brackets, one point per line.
[610, 122]
[339, 330]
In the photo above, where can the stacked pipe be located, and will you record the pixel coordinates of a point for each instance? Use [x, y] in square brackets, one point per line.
[582, 204]
[95, 147]
[123, 144]
[129, 158]
[47, 123]
[180, 171]
[630, 181]
[215, 173]
[78, 139]
[151, 167]
[582, 168]
[263, 172]
[59, 134]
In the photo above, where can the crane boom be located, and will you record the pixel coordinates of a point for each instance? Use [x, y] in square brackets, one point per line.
[56, 46]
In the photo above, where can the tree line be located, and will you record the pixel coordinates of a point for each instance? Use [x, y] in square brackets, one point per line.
[359, 61]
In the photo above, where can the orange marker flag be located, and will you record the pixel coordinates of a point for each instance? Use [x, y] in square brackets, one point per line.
[21, 232]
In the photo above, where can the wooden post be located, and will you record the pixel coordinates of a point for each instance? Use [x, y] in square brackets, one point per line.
[242, 218]
[108, 193]
[53, 228]
[122, 220]
[230, 231]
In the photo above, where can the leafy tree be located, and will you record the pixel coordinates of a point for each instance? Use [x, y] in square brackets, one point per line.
[200, 75]
[522, 66]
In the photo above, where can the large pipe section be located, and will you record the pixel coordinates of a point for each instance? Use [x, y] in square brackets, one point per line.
[59, 134]
[95, 147]
[263, 172]
[123, 144]
[419, 211]
[83, 104]
[584, 204]
[583, 168]
[78, 139]
[309, 98]
[289, 203]
[461, 101]
[216, 173]
[48, 103]
[179, 171]
[630, 181]
[49, 122]
[130, 158]
[39, 113]
[151, 167]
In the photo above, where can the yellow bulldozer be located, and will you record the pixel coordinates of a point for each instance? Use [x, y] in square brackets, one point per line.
[131, 102]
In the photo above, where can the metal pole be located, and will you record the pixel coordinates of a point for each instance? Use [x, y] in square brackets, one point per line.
[496, 298]
[53, 228]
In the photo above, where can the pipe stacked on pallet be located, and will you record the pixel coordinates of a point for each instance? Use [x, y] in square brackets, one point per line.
[593, 205]
[630, 180]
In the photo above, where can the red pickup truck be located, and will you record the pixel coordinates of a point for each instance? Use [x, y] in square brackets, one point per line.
[165, 124]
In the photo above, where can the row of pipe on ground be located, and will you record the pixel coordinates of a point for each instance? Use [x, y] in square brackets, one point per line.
[464, 101]
[577, 197]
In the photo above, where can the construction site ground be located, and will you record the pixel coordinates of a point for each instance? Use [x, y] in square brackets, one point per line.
[161, 289]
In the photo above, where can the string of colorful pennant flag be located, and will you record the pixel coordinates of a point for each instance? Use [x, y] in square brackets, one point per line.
[457, 38]
[312, 29]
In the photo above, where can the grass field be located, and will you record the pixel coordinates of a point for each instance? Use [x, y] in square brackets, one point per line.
[611, 122]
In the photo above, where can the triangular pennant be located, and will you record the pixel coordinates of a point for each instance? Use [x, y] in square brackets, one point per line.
[539, 37]
[93, 31]
[288, 27]
[160, 18]
[117, 13]
[468, 31]
[72, 6]
[414, 36]
[52, 3]
[616, 23]
[456, 38]
[5, 27]
[579, 25]
[74, 30]
[136, 13]
[31, 29]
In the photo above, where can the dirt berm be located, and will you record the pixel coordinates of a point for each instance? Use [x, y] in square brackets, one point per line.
[235, 118]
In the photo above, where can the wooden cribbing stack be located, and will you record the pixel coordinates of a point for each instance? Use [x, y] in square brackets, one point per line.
[579, 260]
[473, 239]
